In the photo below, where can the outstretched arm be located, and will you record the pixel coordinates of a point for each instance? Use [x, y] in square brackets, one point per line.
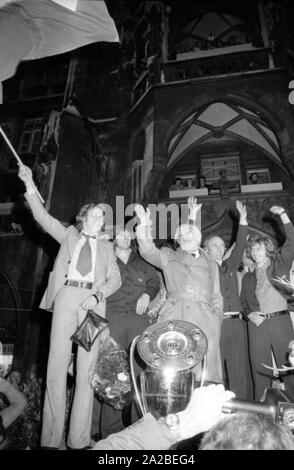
[236, 254]
[47, 222]
[287, 251]
[194, 211]
[147, 248]
[203, 411]
[17, 403]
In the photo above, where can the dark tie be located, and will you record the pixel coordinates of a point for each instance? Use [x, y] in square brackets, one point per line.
[84, 263]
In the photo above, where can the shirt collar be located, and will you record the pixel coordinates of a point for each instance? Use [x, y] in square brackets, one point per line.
[195, 254]
[264, 265]
[86, 235]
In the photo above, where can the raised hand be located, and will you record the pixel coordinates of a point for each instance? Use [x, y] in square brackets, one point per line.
[89, 303]
[25, 174]
[241, 208]
[143, 216]
[277, 210]
[193, 207]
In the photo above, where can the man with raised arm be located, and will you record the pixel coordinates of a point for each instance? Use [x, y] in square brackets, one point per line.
[233, 342]
[266, 304]
[192, 282]
[85, 273]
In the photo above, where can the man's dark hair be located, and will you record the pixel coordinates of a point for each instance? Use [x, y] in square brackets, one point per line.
[247, 431]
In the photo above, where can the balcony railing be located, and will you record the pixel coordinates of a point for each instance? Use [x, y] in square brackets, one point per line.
[215, 63]
[221, 64]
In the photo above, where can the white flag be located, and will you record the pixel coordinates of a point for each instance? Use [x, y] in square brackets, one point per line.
[32, 29]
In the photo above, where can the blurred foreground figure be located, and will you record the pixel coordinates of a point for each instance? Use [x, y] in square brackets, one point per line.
[203, 411]
[248, 431]
[17, 403]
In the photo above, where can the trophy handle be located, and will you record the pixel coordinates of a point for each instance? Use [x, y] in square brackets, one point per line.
[203, 370]
[133, 375]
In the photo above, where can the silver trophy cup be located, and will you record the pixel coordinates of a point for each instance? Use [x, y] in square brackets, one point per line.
[171, 349]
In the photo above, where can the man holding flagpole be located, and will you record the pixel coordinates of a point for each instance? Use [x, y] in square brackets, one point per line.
[85, 273]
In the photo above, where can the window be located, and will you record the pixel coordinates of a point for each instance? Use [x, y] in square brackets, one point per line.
[258, 176]
[31, 136]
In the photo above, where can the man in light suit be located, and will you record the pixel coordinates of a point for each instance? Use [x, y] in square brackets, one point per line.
[84, 275]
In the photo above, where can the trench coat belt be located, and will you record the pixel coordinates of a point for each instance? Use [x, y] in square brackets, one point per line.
[194, 296]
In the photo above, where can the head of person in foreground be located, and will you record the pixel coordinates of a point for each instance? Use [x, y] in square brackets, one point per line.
[247, 431]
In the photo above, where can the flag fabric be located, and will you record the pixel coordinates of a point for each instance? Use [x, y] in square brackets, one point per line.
[32, 29]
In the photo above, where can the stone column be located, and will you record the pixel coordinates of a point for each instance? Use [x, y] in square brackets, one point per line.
[155, 178]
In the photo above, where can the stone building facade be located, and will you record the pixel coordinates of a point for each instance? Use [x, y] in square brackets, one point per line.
[194, 88]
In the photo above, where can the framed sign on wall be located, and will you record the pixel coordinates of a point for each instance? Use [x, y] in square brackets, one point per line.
[211, 167]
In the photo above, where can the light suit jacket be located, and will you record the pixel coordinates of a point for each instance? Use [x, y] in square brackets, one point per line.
[106, 277]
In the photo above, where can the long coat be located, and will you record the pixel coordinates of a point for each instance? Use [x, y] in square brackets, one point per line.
[106, 276]
[183, 274]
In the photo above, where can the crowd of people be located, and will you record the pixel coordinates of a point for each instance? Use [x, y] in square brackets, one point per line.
[211, 42]
[232, 295]
[222, 185]
[188, 183]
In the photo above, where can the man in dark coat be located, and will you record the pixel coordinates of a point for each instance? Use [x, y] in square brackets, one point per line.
[233, 340]
[126, 313]
[267, 305]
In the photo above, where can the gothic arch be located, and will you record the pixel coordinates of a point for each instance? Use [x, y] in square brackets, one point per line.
[235, 116]
[244, 100]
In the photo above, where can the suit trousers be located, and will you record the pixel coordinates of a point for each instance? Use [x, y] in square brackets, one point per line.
[67, 316]
[275, 334]
[235, 358]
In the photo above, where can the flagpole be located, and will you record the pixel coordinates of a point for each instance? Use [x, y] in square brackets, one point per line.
[20, 164]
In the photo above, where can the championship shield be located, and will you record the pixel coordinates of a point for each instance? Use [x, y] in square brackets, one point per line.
[171, 349]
